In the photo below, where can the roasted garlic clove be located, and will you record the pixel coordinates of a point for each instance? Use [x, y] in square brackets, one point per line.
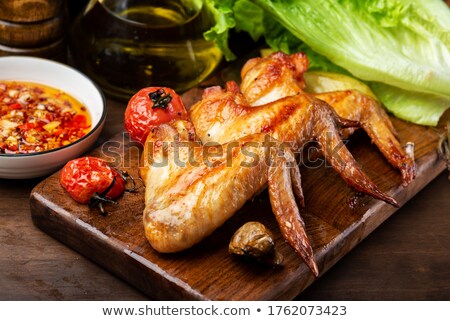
[255, 240]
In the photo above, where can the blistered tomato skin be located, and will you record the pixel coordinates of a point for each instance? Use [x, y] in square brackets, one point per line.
[84, 177]
[143, 113]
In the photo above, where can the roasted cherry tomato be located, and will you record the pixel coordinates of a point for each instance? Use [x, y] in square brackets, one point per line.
[90, 180]
[151, 107]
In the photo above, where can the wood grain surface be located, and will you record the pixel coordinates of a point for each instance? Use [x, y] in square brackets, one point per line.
[406, 258]
[29, 10]
[34, 28]
[55, 51]
[207, 271]
[31, 35]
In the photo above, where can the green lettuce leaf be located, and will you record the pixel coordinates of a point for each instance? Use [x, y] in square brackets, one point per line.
[222, 11]
[418, 108]
[390, 41]
[402, 45]
[249, 18]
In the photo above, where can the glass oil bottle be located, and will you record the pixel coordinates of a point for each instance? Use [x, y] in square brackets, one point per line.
[126, 45]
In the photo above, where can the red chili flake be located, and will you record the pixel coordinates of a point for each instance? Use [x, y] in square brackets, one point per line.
[15, 106]
[72, 126]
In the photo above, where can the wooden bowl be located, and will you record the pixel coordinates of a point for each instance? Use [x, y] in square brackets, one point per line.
[26, 35]
[55, 50]
[29, 10]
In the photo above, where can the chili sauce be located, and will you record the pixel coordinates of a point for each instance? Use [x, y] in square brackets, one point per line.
[36, 118]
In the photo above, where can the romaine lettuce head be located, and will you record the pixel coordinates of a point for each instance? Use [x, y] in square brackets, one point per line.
[402, 45]
[395, 42]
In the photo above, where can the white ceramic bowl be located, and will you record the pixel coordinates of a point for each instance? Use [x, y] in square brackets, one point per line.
[69, 80]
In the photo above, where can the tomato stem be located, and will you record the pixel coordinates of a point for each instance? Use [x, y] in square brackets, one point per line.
[160, 99]
[125, 176]
[98, 199]
[102, 210]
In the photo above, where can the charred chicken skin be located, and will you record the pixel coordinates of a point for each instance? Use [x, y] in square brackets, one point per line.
[189, 196]
[224, 115]
[279, 75]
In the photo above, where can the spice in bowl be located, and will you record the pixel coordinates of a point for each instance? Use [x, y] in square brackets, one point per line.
[36, 118]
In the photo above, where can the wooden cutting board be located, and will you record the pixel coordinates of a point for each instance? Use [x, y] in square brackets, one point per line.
[337, 219]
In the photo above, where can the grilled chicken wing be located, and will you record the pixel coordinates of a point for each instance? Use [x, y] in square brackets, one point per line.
[189, 195]
[224, 115]
[280, 75]
[254, 136]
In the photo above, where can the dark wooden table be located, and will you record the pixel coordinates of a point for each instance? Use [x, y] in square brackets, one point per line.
[406, 258]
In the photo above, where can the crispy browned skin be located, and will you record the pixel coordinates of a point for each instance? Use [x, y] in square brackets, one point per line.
[184, 204]
[267, 79]
[223, 115]
[280, 75]
[182, 201]
[287, 213]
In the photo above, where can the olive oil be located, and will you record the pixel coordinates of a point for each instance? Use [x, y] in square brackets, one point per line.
[127, 45]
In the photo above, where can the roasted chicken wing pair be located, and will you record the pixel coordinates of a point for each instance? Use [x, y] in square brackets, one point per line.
[265, 80]
[249, 137]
